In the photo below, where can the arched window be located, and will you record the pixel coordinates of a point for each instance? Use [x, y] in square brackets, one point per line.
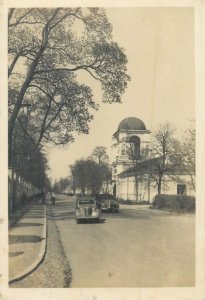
[123, 149]
[135, 146]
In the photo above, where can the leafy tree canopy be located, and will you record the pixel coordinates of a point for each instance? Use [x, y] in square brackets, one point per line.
[47, 49]
[89, 174]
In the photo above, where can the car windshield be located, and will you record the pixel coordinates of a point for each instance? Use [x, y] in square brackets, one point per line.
[87, 201]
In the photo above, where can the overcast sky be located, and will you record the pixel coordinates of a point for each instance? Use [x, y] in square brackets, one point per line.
[159, 44]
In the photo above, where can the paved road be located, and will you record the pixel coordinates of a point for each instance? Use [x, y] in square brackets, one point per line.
[136, 247]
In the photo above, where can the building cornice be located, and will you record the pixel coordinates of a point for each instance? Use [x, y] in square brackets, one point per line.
[131, 131]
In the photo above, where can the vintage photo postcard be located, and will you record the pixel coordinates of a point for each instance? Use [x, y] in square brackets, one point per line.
[102, 150]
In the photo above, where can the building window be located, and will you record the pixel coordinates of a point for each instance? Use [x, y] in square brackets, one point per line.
[123, 149]
[135, 147]
[181, 189]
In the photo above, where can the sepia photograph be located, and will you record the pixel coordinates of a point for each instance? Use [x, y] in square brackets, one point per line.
[102, 126]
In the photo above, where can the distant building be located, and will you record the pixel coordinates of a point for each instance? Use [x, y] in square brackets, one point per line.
[132, 136]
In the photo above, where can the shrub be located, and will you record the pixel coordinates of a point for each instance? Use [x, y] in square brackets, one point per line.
[175, 202]
[145, 202]
[129, 202]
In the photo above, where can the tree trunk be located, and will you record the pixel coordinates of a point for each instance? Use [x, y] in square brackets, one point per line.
[10, 150]
[22, 92]
[148, 190]
[136, 187]
[29, 77]
[159, 187]
[192, 182]
[83, 191]
[13, 64]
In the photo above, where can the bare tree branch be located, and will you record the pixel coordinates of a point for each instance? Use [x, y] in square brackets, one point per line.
[11, 11]
[19, 20]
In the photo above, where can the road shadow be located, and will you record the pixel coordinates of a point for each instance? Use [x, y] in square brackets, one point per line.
[33, 216]
[135, 214]
[18, 239]
[127, 214]
[16, 253]
[61, 211]
[35, 212]
[100, 221]
[27, 224]
[61, 215]
[60, 207]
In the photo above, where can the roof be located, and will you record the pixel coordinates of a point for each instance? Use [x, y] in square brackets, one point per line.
[150, 166]
[131, 123]
[146, 166]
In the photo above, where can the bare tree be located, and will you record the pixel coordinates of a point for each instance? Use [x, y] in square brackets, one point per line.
[185, 152]
[99, 154]
[163, 149]
[60, 185]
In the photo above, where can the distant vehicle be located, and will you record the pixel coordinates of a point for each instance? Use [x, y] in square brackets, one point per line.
[86, 209]
[107, 202]
[70, 194]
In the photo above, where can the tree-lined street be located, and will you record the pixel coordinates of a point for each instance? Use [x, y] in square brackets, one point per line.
[64, 64]
[136, 247]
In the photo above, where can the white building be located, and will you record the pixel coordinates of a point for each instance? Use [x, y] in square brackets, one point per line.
[132, 137]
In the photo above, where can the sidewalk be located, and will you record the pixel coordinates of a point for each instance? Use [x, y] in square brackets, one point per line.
[27, 242]
[15, 216]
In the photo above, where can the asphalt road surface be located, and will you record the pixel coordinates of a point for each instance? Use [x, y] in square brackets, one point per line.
[136, 247]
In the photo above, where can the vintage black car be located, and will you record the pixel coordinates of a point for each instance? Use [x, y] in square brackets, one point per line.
[86, 209]
[107, 203]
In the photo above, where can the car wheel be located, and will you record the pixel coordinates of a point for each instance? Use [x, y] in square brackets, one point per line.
[77, 221]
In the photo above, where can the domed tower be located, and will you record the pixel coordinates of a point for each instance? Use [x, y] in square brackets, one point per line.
[131, 138]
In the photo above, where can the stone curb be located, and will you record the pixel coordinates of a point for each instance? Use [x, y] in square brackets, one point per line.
[40, 256]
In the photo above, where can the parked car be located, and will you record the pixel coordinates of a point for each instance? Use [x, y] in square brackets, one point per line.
[107, 202]
[86, 209]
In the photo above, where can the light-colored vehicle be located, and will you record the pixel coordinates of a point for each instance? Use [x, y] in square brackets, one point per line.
[86, 209]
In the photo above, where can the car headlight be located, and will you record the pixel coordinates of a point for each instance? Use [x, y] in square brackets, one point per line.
[79, 210]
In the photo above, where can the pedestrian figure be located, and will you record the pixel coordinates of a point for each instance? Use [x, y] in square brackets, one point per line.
[53, 199]
[23, 198]
[43, 198]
